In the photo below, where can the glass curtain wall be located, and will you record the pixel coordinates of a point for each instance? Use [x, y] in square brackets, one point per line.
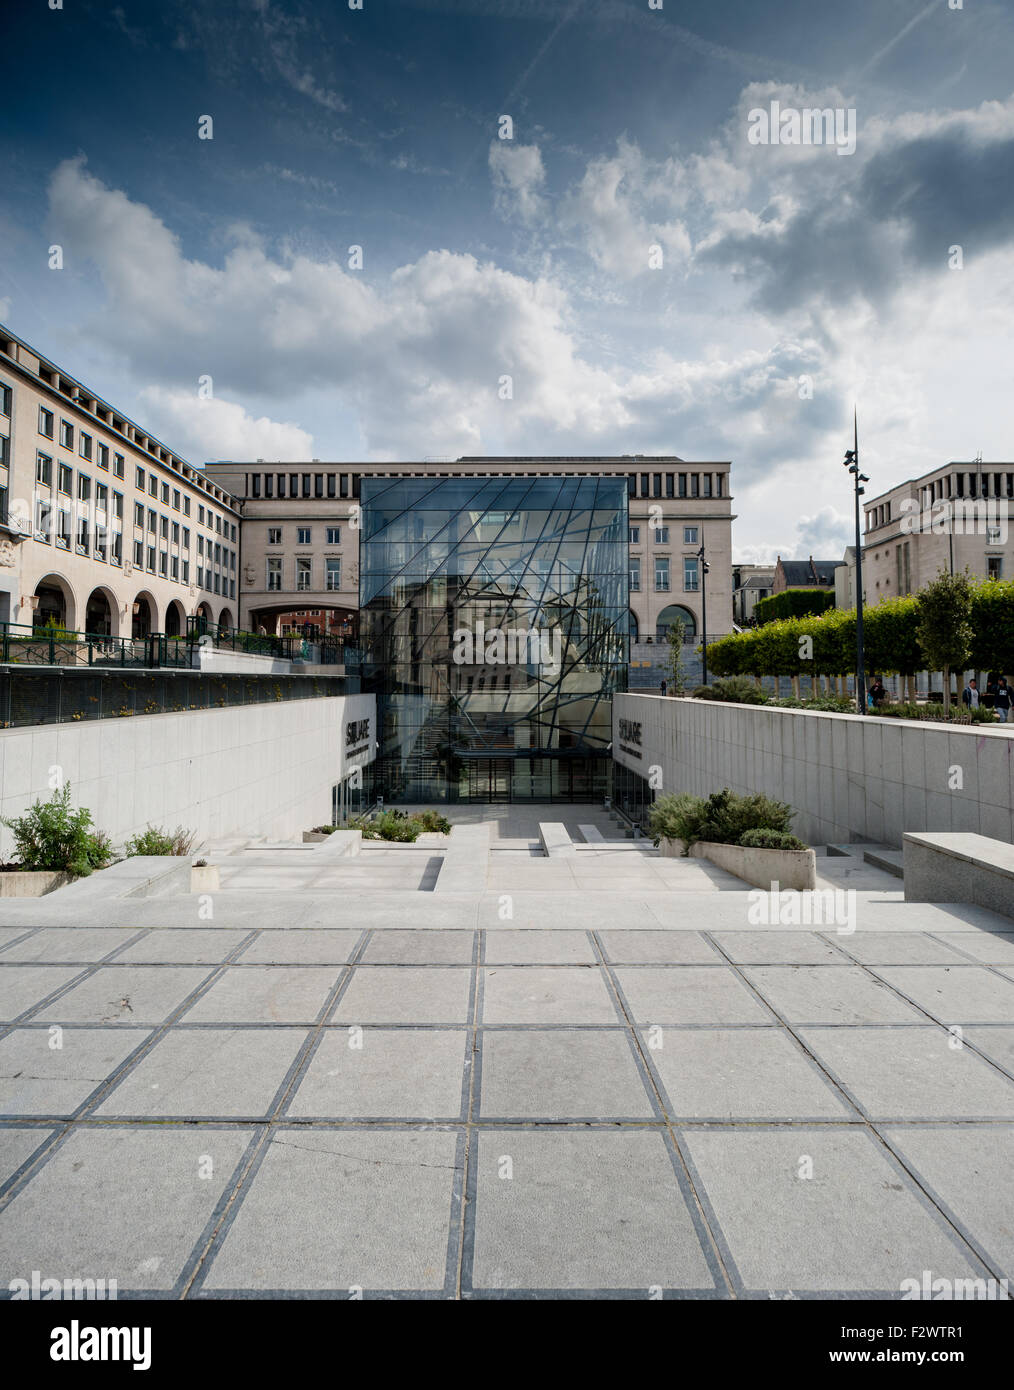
[494, 629]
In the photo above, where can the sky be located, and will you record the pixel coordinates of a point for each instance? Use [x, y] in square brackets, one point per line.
[632, 270]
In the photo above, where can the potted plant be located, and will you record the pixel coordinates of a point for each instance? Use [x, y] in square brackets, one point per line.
[53, 845]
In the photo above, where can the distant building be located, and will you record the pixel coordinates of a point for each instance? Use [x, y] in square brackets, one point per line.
[804, 574]
[750, 583]
[845, 580]
[954, 518]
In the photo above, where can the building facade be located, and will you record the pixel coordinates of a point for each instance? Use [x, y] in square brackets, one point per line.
[301, 530]
[954, 518]
[103, 529]
[750, 583]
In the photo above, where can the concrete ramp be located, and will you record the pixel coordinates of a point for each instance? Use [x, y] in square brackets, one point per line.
[466, 862]
[592, 835]
[556, 840]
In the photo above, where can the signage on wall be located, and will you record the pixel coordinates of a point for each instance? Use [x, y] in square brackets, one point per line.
[630, 737]
[357, 737]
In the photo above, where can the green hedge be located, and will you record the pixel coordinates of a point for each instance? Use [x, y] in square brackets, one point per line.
[793, 603]
[889, 633]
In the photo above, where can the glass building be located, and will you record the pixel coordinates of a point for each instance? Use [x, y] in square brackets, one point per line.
[493, 625]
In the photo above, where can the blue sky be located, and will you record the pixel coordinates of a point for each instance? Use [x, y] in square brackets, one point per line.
[792, 282]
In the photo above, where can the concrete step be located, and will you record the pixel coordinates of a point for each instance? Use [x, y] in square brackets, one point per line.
[892, 861]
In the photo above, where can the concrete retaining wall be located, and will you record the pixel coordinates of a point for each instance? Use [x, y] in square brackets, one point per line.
[264, 769]
[848, 776]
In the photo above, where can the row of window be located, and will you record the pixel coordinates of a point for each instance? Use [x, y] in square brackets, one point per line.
[304, 574]
[691, 575]
[156, 487]
[336, 485]
[952, 485]
[304, 535]
[690, 535]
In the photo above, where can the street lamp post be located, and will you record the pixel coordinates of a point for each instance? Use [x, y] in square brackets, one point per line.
[852, 464]
[705, 567]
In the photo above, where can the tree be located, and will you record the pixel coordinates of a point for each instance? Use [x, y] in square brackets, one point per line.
[676, 634]
[793, 603]
[944, 628]
[993, 621]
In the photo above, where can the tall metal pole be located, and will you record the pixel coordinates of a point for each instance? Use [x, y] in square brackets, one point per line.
[705, 567]
[852, 463]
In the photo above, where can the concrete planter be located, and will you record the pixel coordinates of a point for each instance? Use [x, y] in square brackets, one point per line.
[789, 868]
[204, 879]
[32, 883]
[671, 849]
[314, 837]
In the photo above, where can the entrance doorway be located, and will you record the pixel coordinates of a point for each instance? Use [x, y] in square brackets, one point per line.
[488, 780]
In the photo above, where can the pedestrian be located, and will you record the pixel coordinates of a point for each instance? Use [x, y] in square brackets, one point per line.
[970, 695]
[1002, 701]
[878, 692]
[664, 684]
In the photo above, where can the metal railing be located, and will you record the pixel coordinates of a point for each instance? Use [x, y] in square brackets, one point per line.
[21, 645]
[233, 639]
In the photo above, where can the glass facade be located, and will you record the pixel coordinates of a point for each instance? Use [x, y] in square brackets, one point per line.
[494, 630]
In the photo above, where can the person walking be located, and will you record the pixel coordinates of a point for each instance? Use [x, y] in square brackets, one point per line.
[1002, 700]
[970, 695]
[878, 692]
[663, 687]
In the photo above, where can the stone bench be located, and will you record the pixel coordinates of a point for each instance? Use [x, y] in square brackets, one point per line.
[959, 867]
[141, 876]
[556, 841]
[465, 866]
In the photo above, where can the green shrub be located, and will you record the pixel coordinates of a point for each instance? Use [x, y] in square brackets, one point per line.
[433, 822]
[770, 839]
[154, 840]
[957, 714]
[823, 704]
[793, 603]
[51, 835]
[740, 690]
[723, 818]
[323, 830]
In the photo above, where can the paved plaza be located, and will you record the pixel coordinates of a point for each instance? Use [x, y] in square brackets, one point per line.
[595, 1079]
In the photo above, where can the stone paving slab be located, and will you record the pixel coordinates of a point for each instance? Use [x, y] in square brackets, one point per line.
[42, 1073]
[216, 1072]
[409, 947]
[899, 948]
[968, 1172]
[379, 1073]
[855, 1226]
[266, 994]
[581, 1210]
[193, 946]
[912, 1073]
[546, 994]
[323, 1206]
[127, 994]
[658, 948]
[83, 947]
[17, 1146]
[829, 994]
[989, 947]
[779, 947]
[120, 1203]
[567, 1074]
[405, 994]
[687, 995]
[23, 987]
[295, 946]
[962, 994]
[546, 947]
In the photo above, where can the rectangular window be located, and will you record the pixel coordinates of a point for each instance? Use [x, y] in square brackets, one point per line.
[200, 576]
[152, 485]
[691, 574]
[101, 496]
[139, 478]
[695, 485]
[45, 421]
[303, 575]
[164, 527]
[218, 554]
[176, 533]
[63, 529]
[186, 505]
[163, 563]
[332, 480]
[318, 484]
[333, 574]
[274, 575]
[82, 535]
[176, 499]
[681, 485]
[175, 567]
[152, 521]
[706, 486]
[200, 545]
[44, 470]
[151, 559]
[343, 485]
[139, 554]
[992, 533]
[84, 446]
[119, 464]
[334, 535]
[186, 571]
[670, 485]
[116, 550]
[306, 484]
[635, 535]
[644, 484]
[635, 576]
[656, 485]
[302, 535]
[186, 538]
[103, 456]
[994, 567]
[66, 435]
[84, 488]
[280, 483]
[43, 519]
[138, 514]
[6, 398]
[118, 505]
[661, 535]
[718, 484]
[631, 484]
[690, 535]
[661, 574]
[274, 535]
[269, 485]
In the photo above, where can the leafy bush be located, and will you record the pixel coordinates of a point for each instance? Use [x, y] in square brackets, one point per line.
[770, 839]
[723, 818]
[433, 822]
[740, 690]
[323, 830]
[957, 714]
[793, 603]
[51, 835]
[154, 840]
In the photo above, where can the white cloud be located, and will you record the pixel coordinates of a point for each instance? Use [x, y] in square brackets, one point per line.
[518, 174]
[207, 430]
